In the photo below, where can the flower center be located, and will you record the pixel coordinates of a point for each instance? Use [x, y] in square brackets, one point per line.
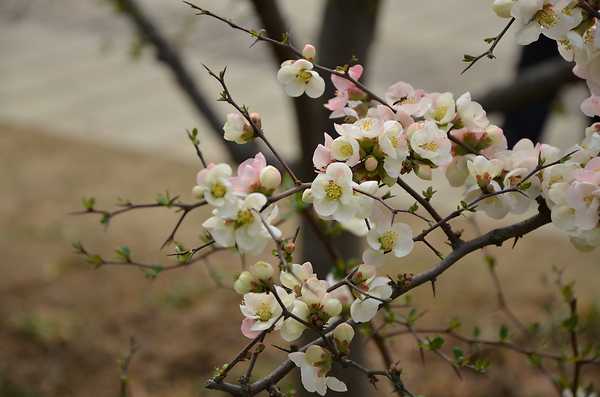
[395, 141]
[333, 191]
[304, 75]
[431, 146]
[388, 240]
[440, 112]
[588, 199]
[218, 190]
[346, 150]
[366, 125]
[546, 17]
[264, 312]
[244, 217]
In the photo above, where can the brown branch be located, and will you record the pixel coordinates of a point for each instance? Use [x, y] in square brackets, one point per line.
[173, 60]
[489, 53]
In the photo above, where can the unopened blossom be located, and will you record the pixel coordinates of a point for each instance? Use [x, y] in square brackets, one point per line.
[297, 78]
[254, 175]
[403, 97]
[292, 329]
[483, 170]
[239, 224]
[237, 129]
[430, 143]
[442, 109]
[470, 113]
[332, 192]
[394, 145]
[309, 52]
[553, 18]
[364, 308]
[346, 94]
[343, 335]
[214, 184]
[314, 366]
[503, 8]
[262, 311]
[255, 279]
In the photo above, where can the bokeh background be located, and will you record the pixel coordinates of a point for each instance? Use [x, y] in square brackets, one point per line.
[86, 110]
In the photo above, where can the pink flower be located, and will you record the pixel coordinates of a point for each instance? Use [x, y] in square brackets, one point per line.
[248, 174]
[345, 91]
[403, 97]
[591, 172]
[246, 328]
[322, 156]
[591, 106]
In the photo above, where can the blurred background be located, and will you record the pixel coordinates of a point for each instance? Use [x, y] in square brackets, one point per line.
[87, 109]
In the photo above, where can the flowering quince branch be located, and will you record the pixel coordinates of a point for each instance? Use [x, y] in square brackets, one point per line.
[489, 53]
[377, 141]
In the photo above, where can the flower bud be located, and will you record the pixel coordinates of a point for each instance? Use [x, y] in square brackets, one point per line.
[262, 270]
[309, 52]
[255, 117]
[333, 307]
[198, 192]
[270, 178]
[371, 163]
[503, 8]
[243, 284]
[307, 196]
[314, 354]
[288, 280]
[343, 334]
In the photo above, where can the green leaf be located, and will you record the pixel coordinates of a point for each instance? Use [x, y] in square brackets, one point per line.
[490, 40]
[413, 208]
[435, 343]
[468, 58]
[428, 193]
[454, 324]
[124, 253]
[481, 365]
[459, 355]
[95, 260]
[570, 324]
[476, 332]
[535, 360]
[503, 334]
[88, 203]
[154, 272]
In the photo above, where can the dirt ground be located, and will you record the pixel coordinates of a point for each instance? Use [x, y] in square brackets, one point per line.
[63, 325]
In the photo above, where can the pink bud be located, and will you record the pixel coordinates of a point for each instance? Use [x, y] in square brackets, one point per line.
[371, 163]
[309, 52]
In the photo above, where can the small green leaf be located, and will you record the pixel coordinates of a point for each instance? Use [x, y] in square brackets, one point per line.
[124, 253]
[88, 203]
[454, 324]
[535, 360]
[468, 58]
[459, 355]
[435, 343]
[413, 208]
[476, 332]
[154, 272]
[490, 40]
[503, 334]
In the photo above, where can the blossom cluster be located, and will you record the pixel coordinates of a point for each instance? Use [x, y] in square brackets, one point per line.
[358, 169]
[572, 26]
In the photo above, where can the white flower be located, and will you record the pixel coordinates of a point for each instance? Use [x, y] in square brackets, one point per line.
[457, 171]
[430, 143]
[255, 279]
[314, 366]
[395, 147]
[238, 224]
[472, 115]
[584, 198]
[343, 335]
[396, 238]
[443, 108]
[553, 18]
[214, 184]
[364, 308]
[483, 171]
[404, 98]
[298, 275]
[297, 77]
[332, 193]
[495, 206]
[346, 148]
[237, 129]
[292, 329]
[262, 310]
[519, 202]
